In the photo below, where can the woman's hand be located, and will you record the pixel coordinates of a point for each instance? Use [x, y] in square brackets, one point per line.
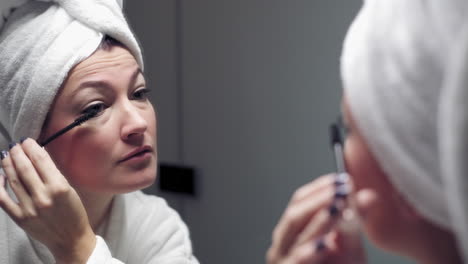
[47, 207]
[307, 232]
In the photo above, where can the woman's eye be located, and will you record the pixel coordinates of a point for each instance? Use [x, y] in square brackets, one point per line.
[141, 94]
[99, 108]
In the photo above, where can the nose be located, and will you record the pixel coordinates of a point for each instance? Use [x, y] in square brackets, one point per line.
[134, 124]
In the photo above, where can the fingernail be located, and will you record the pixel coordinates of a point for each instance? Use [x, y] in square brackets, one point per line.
[23, 139]
[320, 245]
[11, 145]
[333, 210]
[3, 154]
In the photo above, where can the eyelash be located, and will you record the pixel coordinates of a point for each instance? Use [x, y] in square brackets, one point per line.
[144, 92]
[97, 106]
[101, 106]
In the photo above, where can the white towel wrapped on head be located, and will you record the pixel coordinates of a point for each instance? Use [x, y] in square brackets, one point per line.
[404, 69]
[8, 6]
[40, 42]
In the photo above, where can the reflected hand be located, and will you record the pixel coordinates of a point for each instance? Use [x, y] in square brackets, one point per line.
[47, 207]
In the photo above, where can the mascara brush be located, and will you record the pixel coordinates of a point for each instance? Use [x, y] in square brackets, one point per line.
[337, 147]
[80, 120]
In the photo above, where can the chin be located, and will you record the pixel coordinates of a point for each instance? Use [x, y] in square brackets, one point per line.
[147, 182]
[142, 181]
[134, 181]
[132, 186]
[393, 236]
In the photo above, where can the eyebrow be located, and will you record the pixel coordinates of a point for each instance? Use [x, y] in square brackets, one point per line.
[104, 84]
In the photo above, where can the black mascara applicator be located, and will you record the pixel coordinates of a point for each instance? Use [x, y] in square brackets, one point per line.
[336, 142]
[348, 223]
[80, 120]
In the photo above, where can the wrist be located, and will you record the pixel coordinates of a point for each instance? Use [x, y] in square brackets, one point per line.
[77, 251]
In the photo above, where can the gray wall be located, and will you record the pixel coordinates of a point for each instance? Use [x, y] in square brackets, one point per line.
[245, 91]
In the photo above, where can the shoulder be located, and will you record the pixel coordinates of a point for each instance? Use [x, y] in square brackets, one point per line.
[158, 228]
[153, 211]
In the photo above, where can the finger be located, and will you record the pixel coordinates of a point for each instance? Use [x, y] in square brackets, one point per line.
[314, 252]
[312, 187]
[297, 216]
[42, 161]
[2, 173]
[349, 245]
[6, 203]
[365, 201]
[28, 174]
[15, 183]
[321, 224]
[328, 217]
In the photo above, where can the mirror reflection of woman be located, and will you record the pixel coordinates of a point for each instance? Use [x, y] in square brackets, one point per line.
[404, 68]
[77, 199]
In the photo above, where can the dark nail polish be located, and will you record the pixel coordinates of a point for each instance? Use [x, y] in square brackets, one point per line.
[11, 145]
[333, 210]
[3, 154]
[23, 139]
[320, 245]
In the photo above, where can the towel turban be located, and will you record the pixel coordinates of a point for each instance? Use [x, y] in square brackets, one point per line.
[40, 42]
[405, 74]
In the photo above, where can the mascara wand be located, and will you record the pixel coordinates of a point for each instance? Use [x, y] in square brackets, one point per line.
[349, 222]
[337, 146]
[80, 120]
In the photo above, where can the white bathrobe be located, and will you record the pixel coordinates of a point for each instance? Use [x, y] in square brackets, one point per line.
[141, 229]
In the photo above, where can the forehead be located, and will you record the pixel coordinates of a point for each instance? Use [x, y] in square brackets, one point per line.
[103, 64]
[113, 67]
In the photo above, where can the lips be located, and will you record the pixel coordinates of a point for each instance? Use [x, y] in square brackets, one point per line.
[136, 152]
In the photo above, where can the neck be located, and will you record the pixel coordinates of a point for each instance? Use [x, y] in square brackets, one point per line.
[97, 207]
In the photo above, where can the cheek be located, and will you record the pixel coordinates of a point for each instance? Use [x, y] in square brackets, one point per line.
[152, 121]
[92, 154]
[361, 165]
[384, 222]
[83, 158]
[92, 150]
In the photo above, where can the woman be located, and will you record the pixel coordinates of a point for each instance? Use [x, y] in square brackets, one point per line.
[77, 200]
[404, 68]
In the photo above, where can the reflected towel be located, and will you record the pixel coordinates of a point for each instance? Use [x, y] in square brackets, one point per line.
[404, 69]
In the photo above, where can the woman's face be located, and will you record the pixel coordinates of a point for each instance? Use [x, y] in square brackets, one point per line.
[387, 218]
[98, 156]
